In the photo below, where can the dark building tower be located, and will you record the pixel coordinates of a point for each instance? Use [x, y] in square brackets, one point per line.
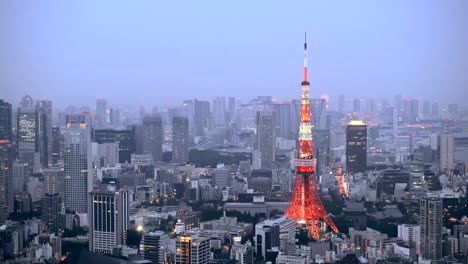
[356, 149]
[202, 117]
[6, 181]
[153, 136]
[266, 138]
[154, 246]
[5, 121]
[57, 146]
[322, 148]
[6, 173]
[50, 209]
[124, 138]
[430, 219]
[44, 132]
[180, 140]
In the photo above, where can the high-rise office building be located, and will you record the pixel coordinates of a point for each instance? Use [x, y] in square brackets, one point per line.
[6, 174]
[435, 110]
[427, 115]
[232, 109]
[53, 180]
[6, 122]
[189, 114]
[101, 115]
[410, 110]
[44, 132]
[78, 171]
[108, 219]
[192, 249]
[341, 103]
[282, 120]
[154, 245]
[57, 146]
[6, 183]
[114, 117]
[321, 148]
[50, 211]
[357, 105]
[19, 177]
[153, 137]
[430, 220]
[26, 138]
[452, 111]
[356, 149]
[446, 151]
[126, 139]
[202, 117]
[266, 138]
[219, 111]
[180, 140]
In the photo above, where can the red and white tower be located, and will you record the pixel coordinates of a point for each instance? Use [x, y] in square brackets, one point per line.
[305, 205]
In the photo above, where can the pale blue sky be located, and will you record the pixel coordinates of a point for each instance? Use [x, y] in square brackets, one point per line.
[160, 52]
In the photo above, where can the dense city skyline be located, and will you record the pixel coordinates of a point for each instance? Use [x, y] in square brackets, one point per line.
[132, 53]
[126, 141]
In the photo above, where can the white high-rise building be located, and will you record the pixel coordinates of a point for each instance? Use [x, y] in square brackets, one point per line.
[108, 219]
[446, 151]
[410, 233]
[78, 170]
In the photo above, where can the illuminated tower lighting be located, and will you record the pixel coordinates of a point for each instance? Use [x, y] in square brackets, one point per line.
[305, 205]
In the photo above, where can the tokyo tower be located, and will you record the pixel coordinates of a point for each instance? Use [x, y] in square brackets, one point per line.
[305, 206]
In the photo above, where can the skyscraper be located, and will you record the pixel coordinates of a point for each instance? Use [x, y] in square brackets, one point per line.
[44, 132]
[26, 131]
[5, 121]
[108, 219]
[192, 249]
[50, 209]
[446, 151]
[341, 103]
[282, 120]
[219, 111]
[78, 172]
[6, 183]
[410, 110]
[180, 140]
[57, 146]
[53, 180]
[126, 139]
[153, 137]
[266, 138]
[356, 149]
[357, 105]
[6, 174]
[201, 116]
[232, 109]
[101, 118]
[321, 148]
[430, 220]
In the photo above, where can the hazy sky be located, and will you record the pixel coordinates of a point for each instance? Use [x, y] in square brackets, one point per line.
[161, 52]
